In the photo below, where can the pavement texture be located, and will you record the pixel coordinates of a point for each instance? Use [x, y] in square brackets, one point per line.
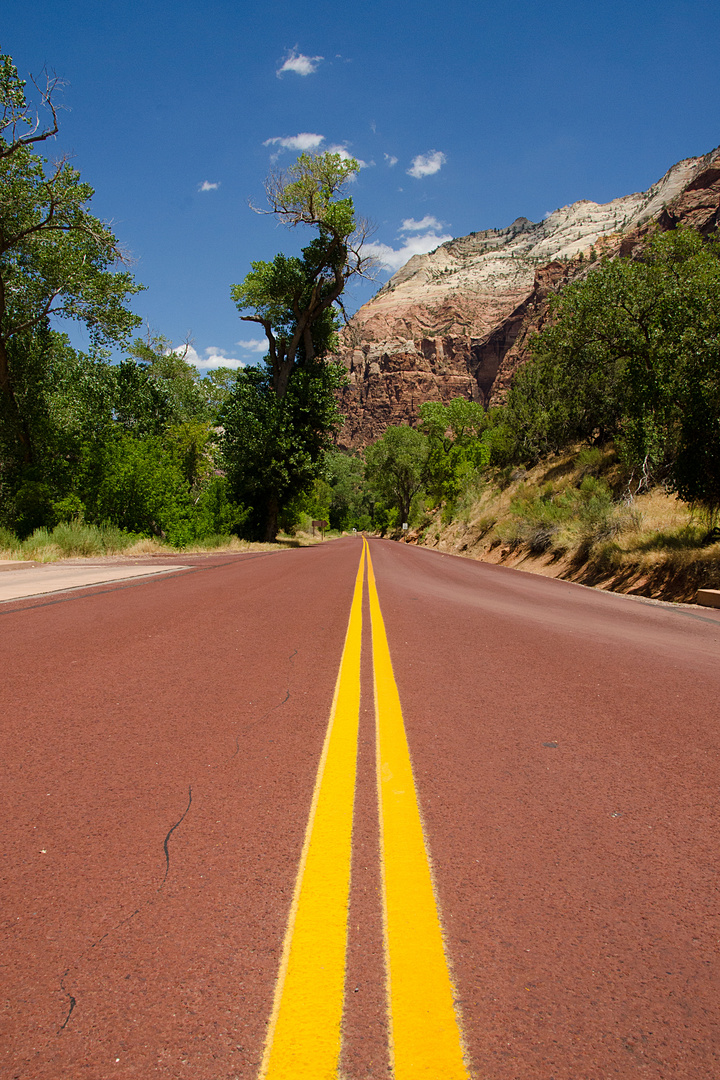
[161, 739]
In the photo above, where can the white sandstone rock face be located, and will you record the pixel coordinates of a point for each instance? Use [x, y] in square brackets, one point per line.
[467, 284]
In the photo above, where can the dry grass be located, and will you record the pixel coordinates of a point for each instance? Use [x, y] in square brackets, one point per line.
[540, 520]
[77, 540]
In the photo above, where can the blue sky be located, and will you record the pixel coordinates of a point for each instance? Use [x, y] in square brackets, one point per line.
[466, 113]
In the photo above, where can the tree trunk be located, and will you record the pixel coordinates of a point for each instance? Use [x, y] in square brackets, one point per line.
[281, 377]
[271, 521]
[21, 428]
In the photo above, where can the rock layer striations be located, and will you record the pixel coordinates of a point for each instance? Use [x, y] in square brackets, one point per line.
[456, 322]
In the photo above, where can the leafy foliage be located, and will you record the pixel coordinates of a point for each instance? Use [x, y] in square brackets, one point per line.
[56, 258]
[455, 451]
[273, 447]
[348, 505]
[293, 298]
[396, 466]
[633, 355]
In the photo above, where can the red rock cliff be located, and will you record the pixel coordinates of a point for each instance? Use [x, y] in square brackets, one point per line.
[457, 322]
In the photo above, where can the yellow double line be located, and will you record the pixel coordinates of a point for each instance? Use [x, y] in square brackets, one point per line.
[305, 1032]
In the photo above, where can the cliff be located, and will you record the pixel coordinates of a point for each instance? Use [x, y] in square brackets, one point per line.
[457, 321]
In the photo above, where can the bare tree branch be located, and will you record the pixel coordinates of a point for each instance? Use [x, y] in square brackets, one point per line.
[16, 113]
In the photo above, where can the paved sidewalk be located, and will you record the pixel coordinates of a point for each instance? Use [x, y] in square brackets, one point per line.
[51, 578]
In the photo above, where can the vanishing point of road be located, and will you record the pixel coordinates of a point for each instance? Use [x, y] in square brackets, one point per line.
[359, 810]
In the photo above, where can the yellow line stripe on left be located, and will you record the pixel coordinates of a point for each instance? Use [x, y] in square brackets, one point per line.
[304, 1035]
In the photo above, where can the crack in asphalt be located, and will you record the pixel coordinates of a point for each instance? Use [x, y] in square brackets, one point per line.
[73, 1003]
[166, 849]
[93, 945]
[166, 843]
[167, 838]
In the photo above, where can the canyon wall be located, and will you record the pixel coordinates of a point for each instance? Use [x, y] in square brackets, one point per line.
[457, 321]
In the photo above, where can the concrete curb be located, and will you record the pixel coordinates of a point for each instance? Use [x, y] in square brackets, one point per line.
[708, 597]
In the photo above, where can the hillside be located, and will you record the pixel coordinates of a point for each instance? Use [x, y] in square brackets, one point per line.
[455, 322]
[568, 517]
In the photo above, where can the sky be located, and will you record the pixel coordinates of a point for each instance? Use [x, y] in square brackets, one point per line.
[465, 115]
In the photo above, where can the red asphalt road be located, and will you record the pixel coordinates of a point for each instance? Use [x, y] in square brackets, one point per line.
[160, 741]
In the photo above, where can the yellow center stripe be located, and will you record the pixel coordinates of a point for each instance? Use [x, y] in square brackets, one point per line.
[424, 1032]
[303, 1041]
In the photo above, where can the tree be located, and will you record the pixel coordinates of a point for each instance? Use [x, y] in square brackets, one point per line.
[278, 423]
[396, 465]
[62, 399]
[345, 476]
[272, 446]
[217, 387]
[293, 298]
[18, 127]
[453, 430]
[55, 257]
[633, 354]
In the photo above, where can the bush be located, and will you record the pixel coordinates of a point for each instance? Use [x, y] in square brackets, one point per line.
[137, 485]
[216, 513]
[575, 516]
[76, 539]
[8, 540]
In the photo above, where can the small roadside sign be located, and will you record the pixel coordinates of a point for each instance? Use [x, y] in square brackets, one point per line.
[321, 525]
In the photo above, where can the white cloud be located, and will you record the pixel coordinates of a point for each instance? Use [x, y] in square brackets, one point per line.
[305, 140]
[393, 258]
[427, 164]
[345, 155]
[258, 345]
[391, 160]
[211, 358]
[426, 223]
[299, 63]
[208, 185]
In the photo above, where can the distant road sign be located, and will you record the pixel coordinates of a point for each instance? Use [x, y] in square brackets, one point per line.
[321, 525]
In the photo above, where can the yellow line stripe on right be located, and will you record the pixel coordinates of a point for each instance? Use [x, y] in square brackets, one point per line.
[424, 1032]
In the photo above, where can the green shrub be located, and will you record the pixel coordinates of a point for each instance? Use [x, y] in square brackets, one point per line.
[590, 460]
[39, 546]
[75, 539]
[215, 540]
[8, 540]
[576, 516]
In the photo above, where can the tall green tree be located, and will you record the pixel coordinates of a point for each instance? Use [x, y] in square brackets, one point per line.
[345, 477]
[273, 447]
[455, 451]
[294, 298]
[396, 466]
[278, 424]
[56, 258]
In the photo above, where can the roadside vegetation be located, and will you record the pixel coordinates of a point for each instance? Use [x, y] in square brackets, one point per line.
[100, 454]
[571, 516]
[603, 463]
[76, 539]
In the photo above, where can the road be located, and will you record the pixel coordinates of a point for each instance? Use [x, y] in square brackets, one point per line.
[191, 802]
